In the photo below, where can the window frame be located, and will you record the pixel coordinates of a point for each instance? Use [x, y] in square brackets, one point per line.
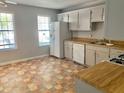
[47, 43]
[14, 31]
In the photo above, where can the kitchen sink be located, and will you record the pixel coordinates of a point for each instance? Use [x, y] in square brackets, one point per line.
[101, 43]
[98, 43]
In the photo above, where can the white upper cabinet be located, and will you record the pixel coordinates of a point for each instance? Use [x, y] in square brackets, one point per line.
[81, 20]
[84, 20]
[63, 17]
[60, 17]
[73, 21]
[98, 13]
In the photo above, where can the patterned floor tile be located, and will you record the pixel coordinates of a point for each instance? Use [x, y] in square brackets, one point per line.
[41, 75]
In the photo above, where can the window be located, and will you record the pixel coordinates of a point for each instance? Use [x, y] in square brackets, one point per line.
[44, 30]
[7, 40]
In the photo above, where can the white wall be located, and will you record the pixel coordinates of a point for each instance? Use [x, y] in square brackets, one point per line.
[26, 32]
[115, 19]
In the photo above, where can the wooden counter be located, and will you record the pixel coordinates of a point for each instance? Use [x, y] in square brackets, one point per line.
[105, 76]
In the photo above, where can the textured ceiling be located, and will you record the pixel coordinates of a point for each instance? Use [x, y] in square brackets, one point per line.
[54, 4]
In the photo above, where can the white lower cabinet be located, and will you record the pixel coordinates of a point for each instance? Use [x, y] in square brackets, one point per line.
[87, 54]
[78, 53]
[90, 57]
[96, 54]
[68, 49]
[102, 54]
[73, 21]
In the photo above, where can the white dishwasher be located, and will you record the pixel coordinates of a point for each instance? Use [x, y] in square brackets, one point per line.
[78, 53]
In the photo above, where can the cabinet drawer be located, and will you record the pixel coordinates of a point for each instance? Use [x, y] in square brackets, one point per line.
[89, 47]
[97, 48]
[68, 43]
[102, 49]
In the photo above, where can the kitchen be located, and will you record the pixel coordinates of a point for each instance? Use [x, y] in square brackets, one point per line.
[61, 46]
[89, 44]
[86, 36]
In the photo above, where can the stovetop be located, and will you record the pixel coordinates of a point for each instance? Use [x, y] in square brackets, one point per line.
[119, 59]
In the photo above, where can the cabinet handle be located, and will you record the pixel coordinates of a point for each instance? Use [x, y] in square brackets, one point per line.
[103, 13]
[90, 19]
[68, 18]
[91, 15]
[78, 24]
[95, 56]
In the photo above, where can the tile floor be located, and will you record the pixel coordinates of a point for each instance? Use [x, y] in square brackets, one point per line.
[42, 75]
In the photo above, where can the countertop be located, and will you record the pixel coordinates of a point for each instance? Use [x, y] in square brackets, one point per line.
[121, 47]
[106, 76]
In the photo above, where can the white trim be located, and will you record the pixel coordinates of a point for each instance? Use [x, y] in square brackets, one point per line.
[8, 49]
[22, 60]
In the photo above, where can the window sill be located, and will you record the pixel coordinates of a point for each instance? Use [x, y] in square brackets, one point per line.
[8, 49]
[43, 45]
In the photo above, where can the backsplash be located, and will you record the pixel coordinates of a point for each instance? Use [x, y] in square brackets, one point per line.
[98, 32]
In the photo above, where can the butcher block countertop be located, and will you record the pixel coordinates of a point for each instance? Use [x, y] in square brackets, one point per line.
[106, 76]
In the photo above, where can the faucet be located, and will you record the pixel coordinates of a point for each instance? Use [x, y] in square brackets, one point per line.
[109, 41]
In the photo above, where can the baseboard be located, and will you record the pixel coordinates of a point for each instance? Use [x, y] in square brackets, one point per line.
[21, 60]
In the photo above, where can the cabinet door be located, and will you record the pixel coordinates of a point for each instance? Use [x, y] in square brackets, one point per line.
[78, 53]
[115, 52]
[98, 14]
[102, 55]
[103, 13]
[84, 20]
[90, 57]
[68, 50]
[73, 21]
[60, 17]
[65, 18]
